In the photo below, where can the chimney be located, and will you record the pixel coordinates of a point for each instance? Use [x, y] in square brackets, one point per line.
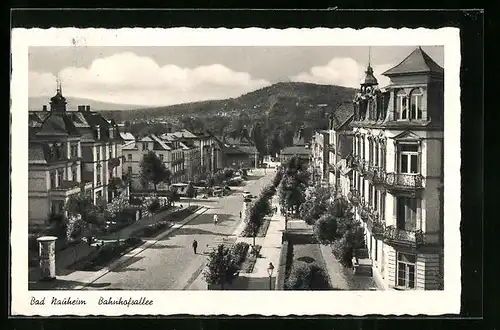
[81, 108]
[44, 107]
[87, 108]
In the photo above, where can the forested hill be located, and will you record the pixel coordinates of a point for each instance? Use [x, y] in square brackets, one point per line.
[291, 95]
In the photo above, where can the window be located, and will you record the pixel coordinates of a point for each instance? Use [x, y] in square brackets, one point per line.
[370, 194]
[382, 157]
[129, 170]
[382, 206]
[98, 153]
[74, 174]
[376, 154]
[74, 150]
[145, 146]
[60, 177]
[370, 151]
[161, 157]
[129, 157]
[375, 198]
[376, 249]
[98, 172]
[401, 105]
[406, 270]
[416, 104]
[407, 212]
[53, 180]
[110, 152]
[408, 155]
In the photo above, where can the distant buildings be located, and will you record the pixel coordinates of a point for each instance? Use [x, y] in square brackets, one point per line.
[70, 151]
[239, 152]
[300, 148]
[398, 172]
[319, 157]
[340, 147]
[171, 153]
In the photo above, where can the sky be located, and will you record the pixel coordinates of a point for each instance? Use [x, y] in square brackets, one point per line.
[154, 76]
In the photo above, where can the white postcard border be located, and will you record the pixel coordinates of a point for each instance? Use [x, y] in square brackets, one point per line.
[238, 302]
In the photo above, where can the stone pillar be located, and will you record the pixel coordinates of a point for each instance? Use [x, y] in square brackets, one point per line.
[47, 253]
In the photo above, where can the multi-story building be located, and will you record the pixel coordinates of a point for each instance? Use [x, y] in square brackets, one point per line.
[69, 151]
[299, 149]
[340, 146]
[210, 153]
[239, 152]
[398, 172]
[319, 157]
[171, 153]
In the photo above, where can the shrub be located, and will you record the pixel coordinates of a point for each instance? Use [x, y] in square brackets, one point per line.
[239, 252]
[307, 277]
[343, 248]
[154, 206]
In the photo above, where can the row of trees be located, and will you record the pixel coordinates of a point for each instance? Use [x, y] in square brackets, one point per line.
[222, 267]
[332, 216]
[334, 223]
[293, 184]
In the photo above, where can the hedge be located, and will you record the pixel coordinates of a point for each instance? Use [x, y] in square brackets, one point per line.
[239, 252]
[307, 277]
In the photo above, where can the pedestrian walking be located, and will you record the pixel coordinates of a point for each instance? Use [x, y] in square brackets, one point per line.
[195, 246]
[240, 214]
[216, 219]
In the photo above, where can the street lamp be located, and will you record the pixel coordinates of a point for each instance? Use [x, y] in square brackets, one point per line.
[270, 270]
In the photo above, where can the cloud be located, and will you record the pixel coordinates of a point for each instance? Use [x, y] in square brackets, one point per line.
[342, 72]
[126, 78]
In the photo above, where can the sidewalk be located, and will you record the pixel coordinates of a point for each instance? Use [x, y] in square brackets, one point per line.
[343, 278]
[76, 280]
[270, 252]
[68, 256]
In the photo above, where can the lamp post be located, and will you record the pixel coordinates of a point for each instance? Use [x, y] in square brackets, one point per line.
[270, 270]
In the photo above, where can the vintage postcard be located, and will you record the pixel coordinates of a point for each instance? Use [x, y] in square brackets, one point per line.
[235, 171]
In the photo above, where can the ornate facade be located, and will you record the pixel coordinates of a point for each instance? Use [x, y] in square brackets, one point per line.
[397, 162]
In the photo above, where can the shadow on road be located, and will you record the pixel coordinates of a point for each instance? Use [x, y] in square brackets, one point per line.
[159, 246]
[193, 231]
[130, 269]
[123, 266]
[60, 284]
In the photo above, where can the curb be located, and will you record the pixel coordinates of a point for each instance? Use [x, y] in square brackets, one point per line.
[147, 244]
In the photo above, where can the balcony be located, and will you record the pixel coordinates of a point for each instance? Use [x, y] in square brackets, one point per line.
[403, 181]
[65, 189]
[409, 238]
[355, 161]
[353, 197]
[114, 162]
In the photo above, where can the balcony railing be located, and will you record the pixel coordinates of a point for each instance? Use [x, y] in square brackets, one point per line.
[379, 176]
[353, 197]
[404, 180]
[355, 160]
[413, 238]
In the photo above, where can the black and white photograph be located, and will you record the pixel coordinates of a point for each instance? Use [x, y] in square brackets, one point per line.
[227, 170]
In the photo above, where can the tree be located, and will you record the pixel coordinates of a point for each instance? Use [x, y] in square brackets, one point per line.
[258, 210]
[268, 191]
[83, 217]
[292, 193]
[221, 268]
[316, 203]
[277, 178]
[307, 277]
[153, 170]
[325, 229]
[339, 228]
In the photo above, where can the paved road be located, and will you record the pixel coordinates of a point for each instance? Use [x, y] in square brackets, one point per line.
[170, 263]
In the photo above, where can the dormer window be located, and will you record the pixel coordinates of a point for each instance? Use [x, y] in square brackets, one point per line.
[98, 132]
[416, 104]
[401, 105]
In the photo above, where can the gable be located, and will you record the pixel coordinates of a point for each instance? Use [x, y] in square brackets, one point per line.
[407, 136]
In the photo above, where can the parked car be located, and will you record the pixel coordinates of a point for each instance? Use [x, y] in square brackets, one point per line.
[247, 195]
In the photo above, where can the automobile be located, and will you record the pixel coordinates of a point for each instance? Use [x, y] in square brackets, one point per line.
[247, 194]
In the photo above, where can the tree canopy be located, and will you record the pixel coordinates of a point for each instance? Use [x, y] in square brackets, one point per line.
[221, 268]
[153, 170]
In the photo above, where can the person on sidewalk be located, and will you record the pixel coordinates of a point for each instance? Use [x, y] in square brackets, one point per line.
[216, 219]
[195, 246]
[240, 214]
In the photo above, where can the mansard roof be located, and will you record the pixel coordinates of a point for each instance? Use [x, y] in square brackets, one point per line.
[417, 62]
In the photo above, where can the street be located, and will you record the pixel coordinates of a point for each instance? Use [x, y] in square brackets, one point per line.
[171, 264]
